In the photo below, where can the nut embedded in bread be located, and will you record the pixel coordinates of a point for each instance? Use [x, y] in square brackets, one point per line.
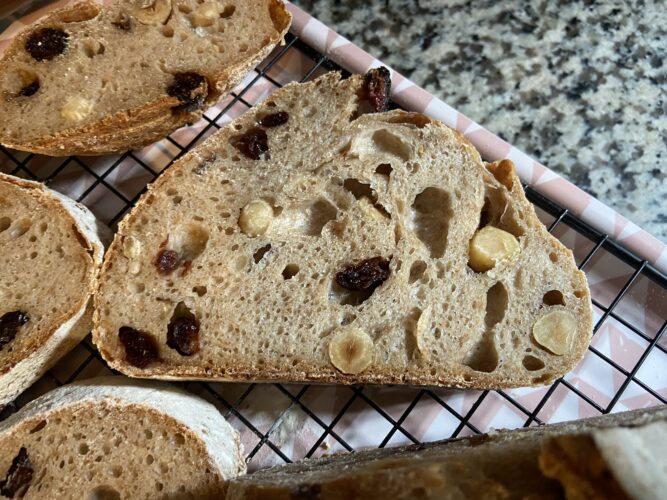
[94, 79]
[51, 253]
[111, 438]
[331, 245]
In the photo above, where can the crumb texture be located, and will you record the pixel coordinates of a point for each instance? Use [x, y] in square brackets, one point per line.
[146, 67]
[286, 237]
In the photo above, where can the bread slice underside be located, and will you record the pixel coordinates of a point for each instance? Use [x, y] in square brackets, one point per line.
[52, 251]
[499, 465]
[92, 79]
[307, 242]
[112, 438]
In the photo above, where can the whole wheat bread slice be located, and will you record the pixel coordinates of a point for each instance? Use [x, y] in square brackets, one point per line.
[500, 465]
[110, 438]
[90, 79]
[306, 242]
[51, 251]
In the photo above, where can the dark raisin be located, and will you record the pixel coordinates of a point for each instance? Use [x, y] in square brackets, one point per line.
[275, 119]
[377, 84]
[252, 144]
[9, 326]
[140, 348]
[123, 22]
[18, 477]
[46, 43]
[183, 335]
[30, 89]
[167, 261]
[365, 275]
[189, 88]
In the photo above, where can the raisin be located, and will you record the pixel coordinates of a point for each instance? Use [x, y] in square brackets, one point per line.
[9, 326]
[275, 119]
[377, 84]
[252, 144]
[167, 261]
[123, 22]
[18, 478]
[189, 88]
[183, 335]
[365, 275]
[30, 89]
[47, 43]
[140, 348]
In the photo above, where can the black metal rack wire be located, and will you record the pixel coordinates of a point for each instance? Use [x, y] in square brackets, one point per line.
[22, 165]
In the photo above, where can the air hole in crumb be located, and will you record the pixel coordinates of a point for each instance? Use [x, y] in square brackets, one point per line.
[387, 142]
[228, 11]
[5, 222]
[431, 213]
[185, 9]
[115, 471]
[580, 294]
[167, 31]
[243, 47]
[319, 213]
[532, 364]
[93, 48]
[361, 190]
[553, 298]
[417, 270]
[484, 356]
[20, 228]
[260, 252]
[38, 427]
[83, 449]
[150, 459]
[384, 169]
[148, 434]
[290, 271]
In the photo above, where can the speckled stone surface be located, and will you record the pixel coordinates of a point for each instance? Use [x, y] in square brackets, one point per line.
[579, 85]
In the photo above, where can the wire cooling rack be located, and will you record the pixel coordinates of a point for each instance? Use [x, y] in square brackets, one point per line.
[625, 368]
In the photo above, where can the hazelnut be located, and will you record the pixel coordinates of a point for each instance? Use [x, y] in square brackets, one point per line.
[132, 250]
[369, 210]
[489, 246]
[76, 109]
[255, 218]
[351, 350]
[153, 12]
[554, 331]
[205, 15]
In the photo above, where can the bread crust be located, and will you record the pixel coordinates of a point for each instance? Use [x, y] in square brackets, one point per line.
[205, 431]
[501, 464]
[68, 329]
[140, 126]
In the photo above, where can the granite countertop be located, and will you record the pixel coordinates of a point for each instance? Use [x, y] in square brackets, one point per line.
[579, 85]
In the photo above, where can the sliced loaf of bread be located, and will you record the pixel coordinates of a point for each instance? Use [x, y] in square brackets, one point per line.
[51, 251]
[616, 456]
[309, 242]
[109, 438]
[92, 79]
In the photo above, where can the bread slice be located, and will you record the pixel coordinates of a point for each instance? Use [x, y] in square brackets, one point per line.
[499, 465]
[342, 253]
[51, 253]
[109, 438]
[89, 79]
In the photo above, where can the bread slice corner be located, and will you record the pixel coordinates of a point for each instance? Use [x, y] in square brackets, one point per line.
[91, 79]
[53, 249]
